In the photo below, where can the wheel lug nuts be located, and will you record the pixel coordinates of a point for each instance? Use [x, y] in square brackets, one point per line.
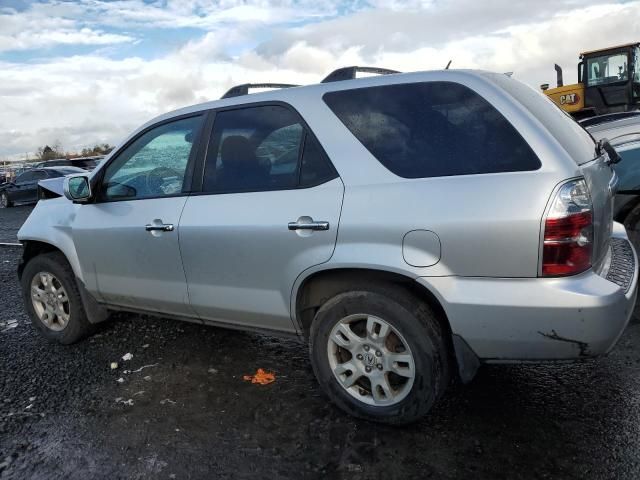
[366, 348]
[368, 369]
[359, 356]
[379, 366]
[378, 353]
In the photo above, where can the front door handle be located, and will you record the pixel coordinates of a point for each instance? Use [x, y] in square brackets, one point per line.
[164, 227]
[308, 225]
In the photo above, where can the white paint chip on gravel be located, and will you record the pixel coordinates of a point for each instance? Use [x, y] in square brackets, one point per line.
[8, 325]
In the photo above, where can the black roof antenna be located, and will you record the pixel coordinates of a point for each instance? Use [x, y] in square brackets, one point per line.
[448, 65]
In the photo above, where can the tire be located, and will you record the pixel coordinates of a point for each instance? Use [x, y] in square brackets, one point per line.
[4, 201]
[76, 325]
[416, 325]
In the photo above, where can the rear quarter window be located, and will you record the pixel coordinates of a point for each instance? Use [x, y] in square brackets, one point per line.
[432, 129]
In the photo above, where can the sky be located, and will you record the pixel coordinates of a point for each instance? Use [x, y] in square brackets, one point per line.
[90, 71]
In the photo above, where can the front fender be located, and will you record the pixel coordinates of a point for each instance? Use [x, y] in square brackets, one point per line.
[51, 222]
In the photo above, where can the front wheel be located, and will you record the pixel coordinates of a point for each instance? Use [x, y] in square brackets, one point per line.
[4, 201]
[52, 299]
[380, 354]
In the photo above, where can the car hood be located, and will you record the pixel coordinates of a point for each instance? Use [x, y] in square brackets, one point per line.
[52, 187]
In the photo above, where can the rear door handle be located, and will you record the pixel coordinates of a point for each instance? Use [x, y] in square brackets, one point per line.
[165, 227]
[308, 225]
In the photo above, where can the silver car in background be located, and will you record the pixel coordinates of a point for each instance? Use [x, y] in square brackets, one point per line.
[623, 132]
[409, 227]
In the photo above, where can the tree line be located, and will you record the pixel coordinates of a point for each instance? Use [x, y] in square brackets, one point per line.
[47, 152]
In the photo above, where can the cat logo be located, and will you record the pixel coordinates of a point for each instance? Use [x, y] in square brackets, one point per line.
[569, 99]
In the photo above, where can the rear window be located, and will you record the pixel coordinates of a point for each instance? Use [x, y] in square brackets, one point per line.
[432, 129]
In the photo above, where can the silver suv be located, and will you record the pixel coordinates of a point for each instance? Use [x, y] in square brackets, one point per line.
[409, 227]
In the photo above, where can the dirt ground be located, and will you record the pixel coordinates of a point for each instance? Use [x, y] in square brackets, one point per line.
[182, 409]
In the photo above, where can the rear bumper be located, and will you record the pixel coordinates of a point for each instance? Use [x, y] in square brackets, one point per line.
[537, 319]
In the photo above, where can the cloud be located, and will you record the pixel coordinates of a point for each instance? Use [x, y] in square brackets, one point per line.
[100, 96]
[49, 25]
[85, 36]
[500, 36]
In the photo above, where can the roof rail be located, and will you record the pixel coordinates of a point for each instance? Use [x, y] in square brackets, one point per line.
[243, 89]
[349, 73]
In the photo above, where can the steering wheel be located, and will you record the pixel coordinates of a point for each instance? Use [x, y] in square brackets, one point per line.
[158, 180]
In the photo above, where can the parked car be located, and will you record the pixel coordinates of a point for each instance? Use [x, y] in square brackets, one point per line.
[24, 189]
[409, 227]
[86, 163]
[623, 132]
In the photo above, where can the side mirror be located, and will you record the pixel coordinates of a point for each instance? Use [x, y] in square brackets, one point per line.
[77, 188]
[604, 146]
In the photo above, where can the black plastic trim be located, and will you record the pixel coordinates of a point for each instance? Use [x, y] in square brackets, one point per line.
[349, 73]
[240, 90]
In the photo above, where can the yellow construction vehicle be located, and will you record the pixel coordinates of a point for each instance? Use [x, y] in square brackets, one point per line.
[608, 82]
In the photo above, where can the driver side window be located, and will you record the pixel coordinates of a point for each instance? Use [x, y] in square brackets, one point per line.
[154, 165]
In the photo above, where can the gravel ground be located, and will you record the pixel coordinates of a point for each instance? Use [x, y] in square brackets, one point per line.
[10, 221]
[189, 414]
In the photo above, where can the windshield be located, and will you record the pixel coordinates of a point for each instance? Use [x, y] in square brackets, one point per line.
[607, 69]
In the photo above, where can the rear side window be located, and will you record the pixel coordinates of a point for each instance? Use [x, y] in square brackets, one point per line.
[432, 129]
[263, 148]
[26, 177]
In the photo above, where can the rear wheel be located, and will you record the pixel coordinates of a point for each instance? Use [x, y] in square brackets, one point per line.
[52, 299]
[380, 354]
[4, 200]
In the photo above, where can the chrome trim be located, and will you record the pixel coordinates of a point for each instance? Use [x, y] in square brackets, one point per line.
[308, 226]
[165, 227]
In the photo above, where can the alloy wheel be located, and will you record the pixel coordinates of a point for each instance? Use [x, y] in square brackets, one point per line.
[371, 360]
[50, 301]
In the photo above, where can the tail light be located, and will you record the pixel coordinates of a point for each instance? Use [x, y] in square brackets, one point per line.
[568, 231]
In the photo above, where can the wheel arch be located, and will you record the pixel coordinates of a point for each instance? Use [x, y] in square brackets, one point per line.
[32, 248]
[96, 313]
[317, 287]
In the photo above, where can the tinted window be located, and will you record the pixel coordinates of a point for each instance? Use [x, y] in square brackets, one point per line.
[432, 129]
[259, 148]
[25, 177]
[154, 165]
[628, 169]
[316, 168]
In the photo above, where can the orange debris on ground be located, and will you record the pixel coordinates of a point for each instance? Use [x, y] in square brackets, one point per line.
[262, 377]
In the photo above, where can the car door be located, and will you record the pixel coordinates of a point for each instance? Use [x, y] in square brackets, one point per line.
[13, 188]
[268, 209]
[24, 184]
[127, 241]
[31, 191]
